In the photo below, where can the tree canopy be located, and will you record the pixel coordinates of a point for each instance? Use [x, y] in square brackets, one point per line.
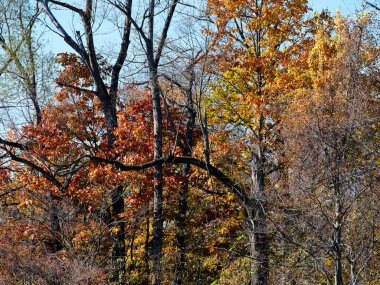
[209, 142]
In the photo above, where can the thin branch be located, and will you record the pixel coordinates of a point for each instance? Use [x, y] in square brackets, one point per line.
[12, 190]
[164, 34]
[133, 22]
[69, 40]
[77, 88]
[372, 5]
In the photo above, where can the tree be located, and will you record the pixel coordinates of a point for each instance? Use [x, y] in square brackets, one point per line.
[23, 59]
[25, 70]
[325, 129]
[247, 153]
[38, 222]
[107, 96]
[253, 43]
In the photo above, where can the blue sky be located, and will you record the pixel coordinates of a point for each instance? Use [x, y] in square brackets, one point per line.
[345, 6]
[56, 44]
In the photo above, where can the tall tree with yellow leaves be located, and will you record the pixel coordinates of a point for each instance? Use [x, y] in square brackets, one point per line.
[254, 43]
[332, 135]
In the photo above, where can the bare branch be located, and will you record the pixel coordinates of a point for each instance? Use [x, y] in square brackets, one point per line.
[372, 5]
[164, 34]
[123, 50]
[68, 6]
[63, 84]
[212, 170]
[69, 40]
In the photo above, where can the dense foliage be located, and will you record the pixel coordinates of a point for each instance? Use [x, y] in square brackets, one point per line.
[244, 151]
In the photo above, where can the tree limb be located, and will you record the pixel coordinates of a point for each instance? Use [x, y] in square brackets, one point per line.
[69, 40]
[212, 170]
[77, 88]
[68, 6]
[372, 5]
[39, 169]
[13, 144]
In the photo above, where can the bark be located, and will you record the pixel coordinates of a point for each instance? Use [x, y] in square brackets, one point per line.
[183, 193]
[257, 228]
[181, 224]
[153, 62]
[337, 234]
[117, 207]
[131, 247]
[146, 248]
[118, 238]
[158, 222]
[338, 256]
[158, 183]
[258, 246]
[56, 243]
[31, 81]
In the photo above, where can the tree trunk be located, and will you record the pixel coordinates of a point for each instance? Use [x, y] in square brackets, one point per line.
[338, 256]
[153, 59]
[117, 206]
[257, 229]
[118, 238]
[56, 243]
[258, 246]
[182, 204]
[337, 235]
[181, 223]
[158, 220]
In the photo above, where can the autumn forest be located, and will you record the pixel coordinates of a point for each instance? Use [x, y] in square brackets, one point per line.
[189, 142]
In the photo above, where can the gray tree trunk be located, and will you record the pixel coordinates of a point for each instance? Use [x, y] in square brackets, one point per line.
[158, 219]
[257, 228]
[337, 235]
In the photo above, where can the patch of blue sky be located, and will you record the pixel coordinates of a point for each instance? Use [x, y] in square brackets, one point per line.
[344, 6]
[56, 44]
